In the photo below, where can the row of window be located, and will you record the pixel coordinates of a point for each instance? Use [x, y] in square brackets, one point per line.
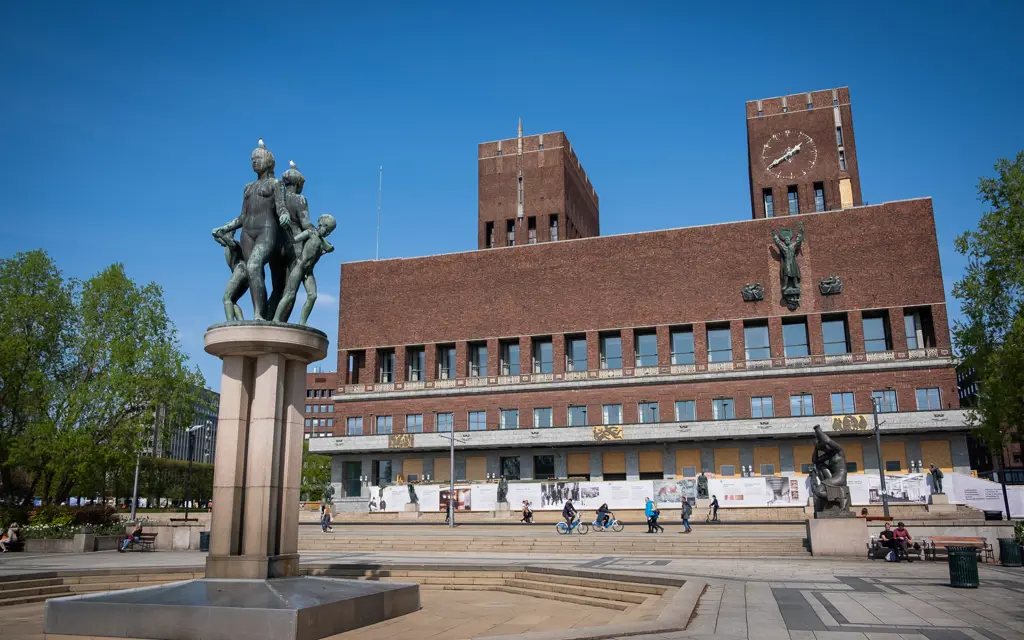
[318, 393]
[842, 403]
[531, 230]
[785, 109]
[835, 334]
[319, 422]
[319, 408]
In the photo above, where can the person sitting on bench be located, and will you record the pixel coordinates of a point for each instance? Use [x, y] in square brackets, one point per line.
[886, 537]
[133, 537]
[12, 537]
[903, 539]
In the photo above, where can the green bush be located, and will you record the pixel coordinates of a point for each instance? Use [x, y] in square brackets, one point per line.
[1018, 531]
[93, 515]
[9, 515]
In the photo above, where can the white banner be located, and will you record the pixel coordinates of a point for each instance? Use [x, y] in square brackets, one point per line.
[983, 494]
[673, 492]
[485, 497]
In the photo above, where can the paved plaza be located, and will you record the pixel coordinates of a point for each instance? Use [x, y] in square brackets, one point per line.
[784, 598]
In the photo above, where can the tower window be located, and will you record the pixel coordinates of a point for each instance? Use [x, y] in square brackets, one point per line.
[510, 233]
[785, 109]
[554, 227]
[810, 106]
[842, 160]
[760, 113]
[769, 205]
[794, 200]
[531, 227]
[489, 235]
[835, 102]
[819, 196]
[839, 136]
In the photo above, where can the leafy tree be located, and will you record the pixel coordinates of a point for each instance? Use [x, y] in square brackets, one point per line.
[990, 337]
[316, 475]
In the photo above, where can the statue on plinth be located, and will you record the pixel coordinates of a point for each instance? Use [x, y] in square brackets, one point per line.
[502, 490]
[702, 486]
[828, 478]
[413, 498]
[936, 474]
[789, 268]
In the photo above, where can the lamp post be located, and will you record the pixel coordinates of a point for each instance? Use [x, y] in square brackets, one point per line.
[188, 476]
[878, 451]
[451, 475]
[135, 485]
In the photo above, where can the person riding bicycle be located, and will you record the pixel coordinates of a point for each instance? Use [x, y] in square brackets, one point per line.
[569, 513]
[604, 515]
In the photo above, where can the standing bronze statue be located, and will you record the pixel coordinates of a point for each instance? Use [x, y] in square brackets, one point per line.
[789, 268]
[275, 232]
[936, 474]
[828, 478]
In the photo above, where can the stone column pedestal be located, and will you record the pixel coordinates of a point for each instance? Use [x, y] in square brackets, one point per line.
[256, 479]
[939, 503]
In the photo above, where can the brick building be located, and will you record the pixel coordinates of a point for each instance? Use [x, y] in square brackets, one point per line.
[667, 362]
[319, 410]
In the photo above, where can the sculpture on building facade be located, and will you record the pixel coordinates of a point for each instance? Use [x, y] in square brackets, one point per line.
[830, 286]
[828, 478]
[275, 232]
[702, 486]
[789, 268]
[753, 292]
[936, 474]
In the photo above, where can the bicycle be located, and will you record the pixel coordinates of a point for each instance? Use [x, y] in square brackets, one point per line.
[613, 524]
[578, 526]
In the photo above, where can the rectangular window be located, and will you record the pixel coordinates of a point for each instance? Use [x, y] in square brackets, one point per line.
[769, 203]
[723, 409]
[842, 403]
[354, 426]
[648, 412]
[612, 413]
[611, 352]
[383, 425]
[801, 405]
[851, 467]
[385, 365]
[839, 136]
[919, 329]
[727, 470]
[835, 336]
[308, 422]
[577, 416]
[794, 200]
[478, 360]
[309, 408]
[686, 410]
[893, 465]
[767, 470]
[719, 344]
[414, 423]
[682, 346]
[542, 417]
[477, 420]
[510, 358]
[381, 472]
[510, 467]
[316, 408]
[543, 356]
[646, 349]
[876, 332]
[819, 196]
[543, 467]
[510, 418]
[445, 422]
[885, 401]
[576, 354]
[510, 233]
[928, 399]
[842, 160]
[446, 362]
[794, 338]
[755, 342]
[355, 362]
[489, 235]
[531, 230]
[762, 407]
[309, 393]
[554, 227]
[416, 363]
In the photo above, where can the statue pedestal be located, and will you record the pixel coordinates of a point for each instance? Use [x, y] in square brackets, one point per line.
[413, 508]
[502, 507]
[838, 537]
[939, 503]
[252, 587]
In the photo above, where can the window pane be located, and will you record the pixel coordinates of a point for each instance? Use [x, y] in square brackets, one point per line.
[354, 426]
[577, 416]
[794, 339]
[478, 360]
[543, 357]
[543, 467]
[414, 423]
[801, 405]
[875, 335]
[755, 341]
[577, 352]
[542, 417]
[510, 418]
[647, 350]
[762, 407]
[682, 347]
[886, 401]
[612, 414]
[445, 422]
[719, 345]
[611, 352]
[928, 399]
[723, 409]
[686, 410]
[842, 403]
[446, 362]
[383, 425]
[833, 333]
[910, 326]
[477, 420]
[648, 412]
[510, 359]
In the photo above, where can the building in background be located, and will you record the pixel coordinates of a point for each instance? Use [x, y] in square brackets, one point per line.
[171, 440]
[981, 457]
[318, 416]
[655, 355]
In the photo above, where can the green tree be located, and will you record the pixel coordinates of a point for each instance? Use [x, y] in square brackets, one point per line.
[990, 337]
[316, 475]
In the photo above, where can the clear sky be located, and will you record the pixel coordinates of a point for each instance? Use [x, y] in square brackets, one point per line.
[126, 127]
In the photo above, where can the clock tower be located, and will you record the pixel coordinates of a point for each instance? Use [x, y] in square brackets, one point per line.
[801, 153]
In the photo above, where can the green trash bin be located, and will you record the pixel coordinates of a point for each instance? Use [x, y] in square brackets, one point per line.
[1009, 552]
[204, 540]
[963, 567]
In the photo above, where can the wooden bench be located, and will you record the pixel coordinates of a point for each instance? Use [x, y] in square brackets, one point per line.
[877, 551]
[937, 545]
[146, 542]
[878, 518]
[18, 545]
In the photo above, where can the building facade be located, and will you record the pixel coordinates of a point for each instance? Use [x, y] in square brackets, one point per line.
[172, 440]
[662, 354]
[318, 414]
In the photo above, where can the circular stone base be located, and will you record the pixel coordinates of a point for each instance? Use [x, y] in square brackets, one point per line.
[256, 337]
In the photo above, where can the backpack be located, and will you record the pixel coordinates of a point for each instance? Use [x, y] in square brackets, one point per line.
[890, 557]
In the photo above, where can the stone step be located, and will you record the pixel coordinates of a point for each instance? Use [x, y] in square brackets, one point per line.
[566, 597]
[608, 585]
[577, 590]
[28, 599]
[27, 584]
[16, 596]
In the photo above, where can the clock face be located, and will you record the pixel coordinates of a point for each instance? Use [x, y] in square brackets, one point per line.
[789, 154]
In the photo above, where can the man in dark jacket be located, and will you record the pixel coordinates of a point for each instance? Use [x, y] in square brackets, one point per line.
[687, 511]
[569, 513]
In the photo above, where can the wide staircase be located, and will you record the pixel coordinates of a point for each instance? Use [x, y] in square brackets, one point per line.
[724, 541]
[25, 589]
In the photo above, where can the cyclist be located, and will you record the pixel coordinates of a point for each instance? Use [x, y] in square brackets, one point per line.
[569, 513]
[604, 516]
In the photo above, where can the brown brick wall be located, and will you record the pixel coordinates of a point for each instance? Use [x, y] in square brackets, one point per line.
[860, 383]
[887, 256]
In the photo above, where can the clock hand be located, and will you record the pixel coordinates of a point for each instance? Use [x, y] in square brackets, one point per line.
[785, 156]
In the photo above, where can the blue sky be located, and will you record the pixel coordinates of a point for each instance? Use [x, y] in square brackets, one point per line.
[126, 127]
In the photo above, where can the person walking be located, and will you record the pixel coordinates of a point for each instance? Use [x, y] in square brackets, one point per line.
[326, 519]
[527, 512]
[686, 512]
[649, 512]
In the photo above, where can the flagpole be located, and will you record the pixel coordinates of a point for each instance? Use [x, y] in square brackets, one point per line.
[380, 188]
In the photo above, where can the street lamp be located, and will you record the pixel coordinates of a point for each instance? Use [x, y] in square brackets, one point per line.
[451, 475]
[188, 477]
[878, 451]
